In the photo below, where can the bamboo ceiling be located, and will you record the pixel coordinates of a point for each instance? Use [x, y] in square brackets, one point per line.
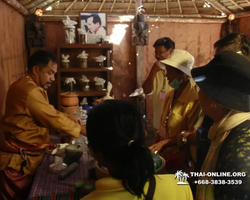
[154, 8]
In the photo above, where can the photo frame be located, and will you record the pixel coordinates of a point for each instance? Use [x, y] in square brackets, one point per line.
[95, 25]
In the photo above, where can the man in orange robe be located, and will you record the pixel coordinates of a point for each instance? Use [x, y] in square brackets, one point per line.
[27, 121]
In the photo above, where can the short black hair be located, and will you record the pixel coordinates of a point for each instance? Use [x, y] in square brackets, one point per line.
[166, 42]
[235, 42]
[41, 59]
[96, 19]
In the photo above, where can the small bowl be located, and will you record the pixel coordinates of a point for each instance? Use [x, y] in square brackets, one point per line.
[73, 152]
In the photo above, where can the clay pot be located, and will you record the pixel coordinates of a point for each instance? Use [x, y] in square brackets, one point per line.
[70, 109]
[69, 99]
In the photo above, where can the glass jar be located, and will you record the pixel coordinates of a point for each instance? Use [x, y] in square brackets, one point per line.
[65, 64]
[84, 63]
[99, 87]
[83, 38]
[100, 64]
[70, 34]
[85, 85]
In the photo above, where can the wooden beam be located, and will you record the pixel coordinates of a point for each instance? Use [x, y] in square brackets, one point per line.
[24, 2]
[192, 15]
[101, 5]
[66, 10]
[236, 4]
[38, 6]
[167, 6]
[243, 14]
[86, 5]
[17, 6]
[111, 9]
[217, 8]
[247, 1]
[179, 4]
[195, 7]
[32, 3]
[75, 17]
[155, 6]
[128, 6]
[50, 4]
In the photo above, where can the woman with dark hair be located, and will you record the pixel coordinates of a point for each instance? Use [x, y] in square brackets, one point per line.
[116, 140]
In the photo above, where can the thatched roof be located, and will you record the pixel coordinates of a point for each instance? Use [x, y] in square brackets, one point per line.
[155, 8]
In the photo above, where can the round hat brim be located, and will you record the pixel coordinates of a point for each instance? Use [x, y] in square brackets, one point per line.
[227, 97]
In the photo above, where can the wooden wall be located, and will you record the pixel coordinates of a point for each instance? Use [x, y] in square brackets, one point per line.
[12, 49]
[123, 60]
[243, 25]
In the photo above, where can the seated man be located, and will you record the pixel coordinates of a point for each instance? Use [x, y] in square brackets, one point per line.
[27, 121]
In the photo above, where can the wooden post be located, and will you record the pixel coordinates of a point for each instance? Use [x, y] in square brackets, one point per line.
[139, 65]
[139, 55]
[17, 6]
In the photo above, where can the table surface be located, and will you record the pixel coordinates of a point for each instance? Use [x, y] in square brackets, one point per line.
[47, 184]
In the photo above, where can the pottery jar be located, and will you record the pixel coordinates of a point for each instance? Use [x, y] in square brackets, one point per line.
[85, 85]
[99, 87]
[69, 99]
[84, 63]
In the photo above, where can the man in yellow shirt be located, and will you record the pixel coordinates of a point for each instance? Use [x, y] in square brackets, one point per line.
[26, 124]
[156, 80]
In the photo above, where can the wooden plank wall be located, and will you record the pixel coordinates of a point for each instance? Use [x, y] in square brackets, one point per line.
[12, 49]
[243, 25]
[123, 60]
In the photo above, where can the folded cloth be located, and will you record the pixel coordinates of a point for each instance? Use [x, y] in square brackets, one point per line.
[13, 185]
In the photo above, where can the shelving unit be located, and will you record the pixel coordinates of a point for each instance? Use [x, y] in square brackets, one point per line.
[74, 70]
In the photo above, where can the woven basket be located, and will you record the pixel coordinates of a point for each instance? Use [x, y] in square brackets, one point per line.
[102, 172]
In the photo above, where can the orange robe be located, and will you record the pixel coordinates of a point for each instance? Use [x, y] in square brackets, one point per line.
[27, 121]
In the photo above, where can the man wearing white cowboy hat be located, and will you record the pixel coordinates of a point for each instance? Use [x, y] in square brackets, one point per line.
[180, 111]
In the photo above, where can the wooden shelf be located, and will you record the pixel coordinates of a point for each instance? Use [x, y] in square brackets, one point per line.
[86, 46]
[89, 69]
[93, 50]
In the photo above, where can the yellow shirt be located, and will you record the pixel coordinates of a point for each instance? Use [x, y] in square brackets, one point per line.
[28, 116]
[157, 102]
[182, 116]
[166, 188]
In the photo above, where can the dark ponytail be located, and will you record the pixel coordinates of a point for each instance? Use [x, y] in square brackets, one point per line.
[115, 129]
[139, 170]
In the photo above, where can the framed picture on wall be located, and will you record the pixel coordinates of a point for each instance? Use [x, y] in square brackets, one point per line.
[95, 25]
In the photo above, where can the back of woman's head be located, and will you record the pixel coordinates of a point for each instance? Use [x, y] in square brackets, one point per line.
[115, 129]
[234, 42]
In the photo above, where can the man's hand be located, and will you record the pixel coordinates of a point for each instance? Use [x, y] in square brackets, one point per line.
[186, 138]
[75, 119]
[157, 147]
[180, 137]
[83, 130]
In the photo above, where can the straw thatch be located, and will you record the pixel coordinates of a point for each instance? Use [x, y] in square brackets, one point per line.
[154, 8]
